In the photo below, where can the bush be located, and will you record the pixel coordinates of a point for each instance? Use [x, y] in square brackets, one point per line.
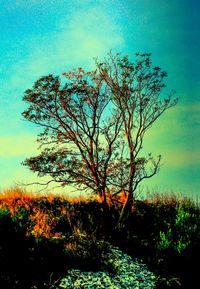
[181, 233]
[178, 246]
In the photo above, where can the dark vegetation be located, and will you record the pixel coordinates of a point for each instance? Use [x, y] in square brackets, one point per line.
[42, 237]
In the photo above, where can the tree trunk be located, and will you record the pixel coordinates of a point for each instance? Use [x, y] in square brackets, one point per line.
[107, 222]
[126, 209]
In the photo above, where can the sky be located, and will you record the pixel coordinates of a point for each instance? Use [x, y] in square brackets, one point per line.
[39, 37]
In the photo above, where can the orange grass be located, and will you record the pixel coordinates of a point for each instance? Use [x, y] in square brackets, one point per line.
[16, 192]
[21, 193]
[42, 220]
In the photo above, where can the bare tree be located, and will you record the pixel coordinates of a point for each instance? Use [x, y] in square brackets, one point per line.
[136, 89]
[94, 125]
[78, 140]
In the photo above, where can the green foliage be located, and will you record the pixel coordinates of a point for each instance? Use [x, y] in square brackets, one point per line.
[165, 240]
[21, 218]
[179, 234]
[4, 213]
[184, 229]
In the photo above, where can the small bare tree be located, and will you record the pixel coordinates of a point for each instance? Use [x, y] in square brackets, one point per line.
[135, 89]
[79, 139]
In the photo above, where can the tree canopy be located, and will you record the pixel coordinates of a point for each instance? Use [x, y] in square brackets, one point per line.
[94, 122]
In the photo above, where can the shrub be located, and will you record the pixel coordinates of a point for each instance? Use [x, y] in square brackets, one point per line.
[179, 235]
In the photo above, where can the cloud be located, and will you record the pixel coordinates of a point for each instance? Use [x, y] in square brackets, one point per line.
[176, 157]
[176, 136]
[179, 122]
[17, 145]
[93, 33]
[75, 41]
[76, 38]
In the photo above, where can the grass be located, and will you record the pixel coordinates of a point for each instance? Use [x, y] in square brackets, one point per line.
[43, 236]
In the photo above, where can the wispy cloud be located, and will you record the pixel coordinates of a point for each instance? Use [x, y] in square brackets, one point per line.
[76, 41]
[17, 145]
[176, 136]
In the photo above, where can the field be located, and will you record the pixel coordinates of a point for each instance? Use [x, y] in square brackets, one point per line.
[41, 237]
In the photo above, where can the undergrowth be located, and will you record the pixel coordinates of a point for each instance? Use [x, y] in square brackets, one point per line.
[43, 236]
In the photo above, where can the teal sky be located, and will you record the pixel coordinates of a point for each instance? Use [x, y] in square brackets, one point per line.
[39, 37]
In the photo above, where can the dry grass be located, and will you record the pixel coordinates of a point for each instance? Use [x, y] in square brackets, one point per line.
[172, 199]
[15, 193]
[40, 208]
[21, 193]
